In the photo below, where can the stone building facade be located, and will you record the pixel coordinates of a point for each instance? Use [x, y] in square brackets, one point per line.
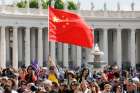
[24, 37]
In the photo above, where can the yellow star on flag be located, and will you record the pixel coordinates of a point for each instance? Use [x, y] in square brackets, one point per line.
[55, 19]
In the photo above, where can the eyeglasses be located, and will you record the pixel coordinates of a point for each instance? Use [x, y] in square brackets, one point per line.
[74, 84]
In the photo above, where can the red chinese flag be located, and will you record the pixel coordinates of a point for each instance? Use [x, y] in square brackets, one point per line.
[67, 27]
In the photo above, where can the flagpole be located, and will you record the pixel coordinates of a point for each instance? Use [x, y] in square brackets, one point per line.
[52, 5]
[50, 1]
[48, 33]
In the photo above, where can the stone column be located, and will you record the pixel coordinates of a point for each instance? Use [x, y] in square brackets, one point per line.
[101, 43]
[3, 48]
[137, 46]
[65, 56]
[119, 48]
[112, 46]
[88, 56]
[133, 48]
[33, 44]
[15, 48]
[20, 45]
[60, 52]
[40, 47]
[7, 46]
[27, 46]
[78, 55]
[52, 51]
[73, 54]
[46, 46]
[105, 45]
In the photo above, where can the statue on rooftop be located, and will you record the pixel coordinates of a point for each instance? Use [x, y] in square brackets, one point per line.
[92, 6]
[132, 6]
[105, 6]
[118, 6]
[78, 4]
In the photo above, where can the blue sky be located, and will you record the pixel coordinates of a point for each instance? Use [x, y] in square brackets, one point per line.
[111, 4]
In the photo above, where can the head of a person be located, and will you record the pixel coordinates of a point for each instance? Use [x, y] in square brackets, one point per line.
[71, 74]
[116, 82]
[118, 89]
[4, 81]
[44, 70]
[11, 82]
[29, 86]
[47, 85]
[116, 75]
[55, 86]
[84, 85]
[62, 86]
[94, 87]
[125, 74]
[30, 69]
[85, 72]
[23, 84]
[52, 69]
[7, 89]
[74, 85]
[107, 88]
[23, 67]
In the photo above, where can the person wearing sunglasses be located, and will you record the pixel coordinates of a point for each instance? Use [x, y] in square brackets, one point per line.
[63, 88]
[94, 87]
[74, 87]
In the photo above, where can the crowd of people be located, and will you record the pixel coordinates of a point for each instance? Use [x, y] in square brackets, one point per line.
[53, 80]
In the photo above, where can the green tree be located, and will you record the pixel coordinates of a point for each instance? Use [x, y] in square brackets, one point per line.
[49, 3]
[59, 4]
[21, 4]
[71, 5]
[45, 4]
[33, 4]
